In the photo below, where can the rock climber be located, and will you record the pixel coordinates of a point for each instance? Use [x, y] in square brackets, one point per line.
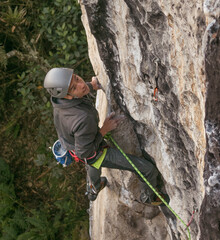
[76, 122]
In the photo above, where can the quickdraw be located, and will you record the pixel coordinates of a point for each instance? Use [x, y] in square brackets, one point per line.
[191, 219]
[156, 94]
[156, 81]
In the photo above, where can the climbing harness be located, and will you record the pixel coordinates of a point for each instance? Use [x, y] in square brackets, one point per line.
[156, 81]
[109, 137]
[65, 157]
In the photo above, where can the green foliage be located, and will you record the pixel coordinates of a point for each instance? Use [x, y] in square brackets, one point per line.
[38, 198]
[14, 17]
[7, 193]
[5, 175]
[59, 219]
[3, 57]
[64, 32]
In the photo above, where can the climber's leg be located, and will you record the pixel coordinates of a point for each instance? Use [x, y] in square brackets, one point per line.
[94, 176]
[115, 159]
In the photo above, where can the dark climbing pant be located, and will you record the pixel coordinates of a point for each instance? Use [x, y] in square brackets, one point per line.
[115, 159]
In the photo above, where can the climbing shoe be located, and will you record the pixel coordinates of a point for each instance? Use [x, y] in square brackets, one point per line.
[92, 192]
[156, 201]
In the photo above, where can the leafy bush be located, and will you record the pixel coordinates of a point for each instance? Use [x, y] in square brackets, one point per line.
[66, 38]
[38, 199]
[60, 217]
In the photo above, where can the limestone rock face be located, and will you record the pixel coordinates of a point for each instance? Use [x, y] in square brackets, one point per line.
[134, 47]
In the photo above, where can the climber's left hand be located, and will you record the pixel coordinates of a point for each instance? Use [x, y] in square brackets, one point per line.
[96, 84]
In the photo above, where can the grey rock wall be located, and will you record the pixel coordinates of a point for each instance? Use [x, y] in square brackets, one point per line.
[127, 41]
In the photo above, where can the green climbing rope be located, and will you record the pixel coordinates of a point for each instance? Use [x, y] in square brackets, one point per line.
[109, 137]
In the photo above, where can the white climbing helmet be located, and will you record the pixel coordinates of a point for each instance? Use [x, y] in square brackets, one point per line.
[57, 81]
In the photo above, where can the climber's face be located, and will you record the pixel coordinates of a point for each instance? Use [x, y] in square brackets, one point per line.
[78, 88]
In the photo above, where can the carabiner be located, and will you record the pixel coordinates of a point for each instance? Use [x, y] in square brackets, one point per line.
[156, 94]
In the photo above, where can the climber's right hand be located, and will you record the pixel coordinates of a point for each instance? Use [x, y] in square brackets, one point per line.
[109, 124]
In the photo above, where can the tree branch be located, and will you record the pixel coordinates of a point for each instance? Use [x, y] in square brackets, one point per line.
[15, 53]
[29, 58]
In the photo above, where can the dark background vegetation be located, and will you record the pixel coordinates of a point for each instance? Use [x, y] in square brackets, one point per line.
[38, 198]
